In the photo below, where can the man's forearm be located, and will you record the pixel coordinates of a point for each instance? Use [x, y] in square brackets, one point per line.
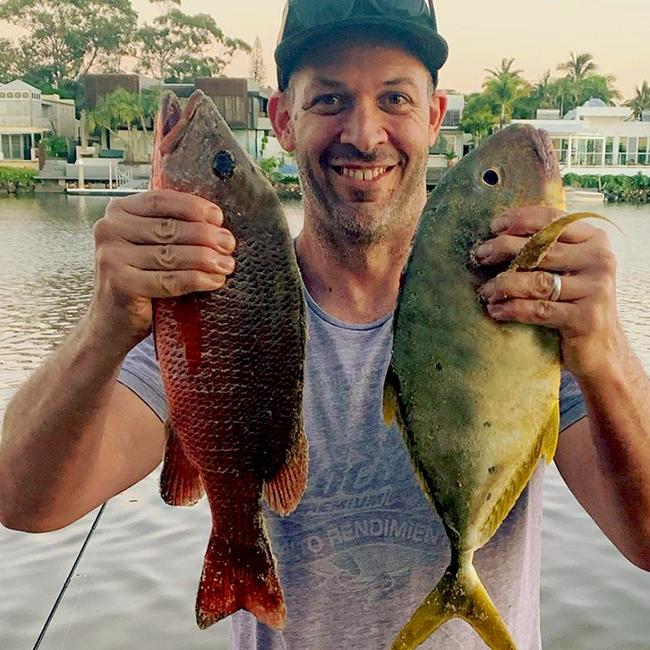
[618, 402]
[52, 431]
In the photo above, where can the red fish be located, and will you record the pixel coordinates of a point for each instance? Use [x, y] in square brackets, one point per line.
[232, 364]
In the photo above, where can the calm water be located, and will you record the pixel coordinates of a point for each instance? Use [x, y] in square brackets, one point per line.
[136, 583]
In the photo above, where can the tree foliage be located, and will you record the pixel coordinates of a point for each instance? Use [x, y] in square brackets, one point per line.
[581, 83]
[66, 37]
[479, 116]
[641, 102]
[258, 69]
[504, 87]
[578, 67]
[8, 61]
[178, 47]
[122, 109]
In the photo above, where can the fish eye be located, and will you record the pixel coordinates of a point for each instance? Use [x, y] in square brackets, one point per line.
[491, 178]
[224, 164]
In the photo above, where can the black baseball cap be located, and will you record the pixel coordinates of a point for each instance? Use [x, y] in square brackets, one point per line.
[308, 23]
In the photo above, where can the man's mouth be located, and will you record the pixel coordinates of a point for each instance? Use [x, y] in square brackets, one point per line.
[362, 173]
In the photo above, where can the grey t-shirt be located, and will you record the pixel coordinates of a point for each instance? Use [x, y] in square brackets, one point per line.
[364, 547]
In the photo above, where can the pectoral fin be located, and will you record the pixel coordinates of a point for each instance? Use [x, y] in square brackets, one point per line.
[538, 245]
[391, 405]
[180, 481]
[284, 491]
[551, 435]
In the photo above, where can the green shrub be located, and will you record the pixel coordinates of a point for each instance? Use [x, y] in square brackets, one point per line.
[56, 146]
[16, 178]
[635, 189]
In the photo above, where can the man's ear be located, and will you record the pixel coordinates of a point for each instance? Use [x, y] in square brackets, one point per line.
[280, 115]
[437, 111]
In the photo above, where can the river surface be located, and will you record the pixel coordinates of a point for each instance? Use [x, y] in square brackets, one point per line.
[136, 583]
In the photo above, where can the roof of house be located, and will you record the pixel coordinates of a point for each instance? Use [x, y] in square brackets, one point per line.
[19, 84]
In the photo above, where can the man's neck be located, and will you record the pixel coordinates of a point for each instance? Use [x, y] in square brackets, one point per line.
[357, 285]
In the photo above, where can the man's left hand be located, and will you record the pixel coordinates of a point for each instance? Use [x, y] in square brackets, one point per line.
[585, 313]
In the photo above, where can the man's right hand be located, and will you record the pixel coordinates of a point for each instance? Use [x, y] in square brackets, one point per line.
[157, 244]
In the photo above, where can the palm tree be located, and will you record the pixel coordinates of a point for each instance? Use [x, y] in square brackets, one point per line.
[504, 87]
[641, 102]
[544, 91]
[578, 67]
[504, 70]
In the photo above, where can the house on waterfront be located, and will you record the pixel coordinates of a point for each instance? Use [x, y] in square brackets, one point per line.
[26, 116]
[596, 139]
[242, 102]
[452, 141]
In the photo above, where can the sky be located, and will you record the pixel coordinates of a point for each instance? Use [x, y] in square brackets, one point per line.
[539, 34]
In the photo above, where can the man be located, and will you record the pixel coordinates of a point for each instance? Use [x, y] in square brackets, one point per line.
[357, 105]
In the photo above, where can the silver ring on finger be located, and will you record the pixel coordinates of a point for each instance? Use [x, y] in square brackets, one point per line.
[557, 288]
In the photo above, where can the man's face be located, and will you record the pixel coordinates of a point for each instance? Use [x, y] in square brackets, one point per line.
[360, 125]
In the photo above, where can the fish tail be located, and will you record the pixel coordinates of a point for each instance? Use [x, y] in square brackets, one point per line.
[180, 480]
[459, 594]
[284, 491]
[236, 577]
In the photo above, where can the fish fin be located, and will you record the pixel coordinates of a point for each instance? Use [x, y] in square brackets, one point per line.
[551, 435]
[190, 327]
[391, 402]
[240, 577]
[539, 244]
[180, 481]
[459, 594]
[284, 491]
[545, 446]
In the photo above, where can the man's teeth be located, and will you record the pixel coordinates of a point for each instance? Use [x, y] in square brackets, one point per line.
[363, 174]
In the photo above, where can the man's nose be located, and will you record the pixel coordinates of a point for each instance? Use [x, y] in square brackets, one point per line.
[364, 127]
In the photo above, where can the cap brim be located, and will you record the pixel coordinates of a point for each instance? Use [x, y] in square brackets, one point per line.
[428, 46]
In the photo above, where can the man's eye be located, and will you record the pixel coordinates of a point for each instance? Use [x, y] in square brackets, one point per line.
[396, 100]
[328, 100]
[325, 105]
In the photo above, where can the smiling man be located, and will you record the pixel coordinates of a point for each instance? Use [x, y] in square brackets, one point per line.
[359, 107]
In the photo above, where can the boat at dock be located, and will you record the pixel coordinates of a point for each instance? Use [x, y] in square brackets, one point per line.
[584, 195]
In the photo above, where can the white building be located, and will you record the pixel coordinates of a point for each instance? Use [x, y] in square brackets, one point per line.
[26, 116]
[596, 139]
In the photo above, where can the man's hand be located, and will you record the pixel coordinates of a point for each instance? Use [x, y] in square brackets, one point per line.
[585, 313]
[157, 244]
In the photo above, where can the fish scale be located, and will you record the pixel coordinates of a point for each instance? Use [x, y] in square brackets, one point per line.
[232, 363]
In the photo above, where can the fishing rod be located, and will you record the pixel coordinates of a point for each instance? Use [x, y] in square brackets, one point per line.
[50, 617]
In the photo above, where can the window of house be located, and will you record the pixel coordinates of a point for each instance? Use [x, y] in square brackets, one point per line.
[561, 147]
[644, 153]
[25, 95]
[609, 151]
[16, 146]
[452, 118]
[12, 146]
[4, 143]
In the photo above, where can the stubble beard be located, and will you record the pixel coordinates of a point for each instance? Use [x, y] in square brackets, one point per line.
[359, 225]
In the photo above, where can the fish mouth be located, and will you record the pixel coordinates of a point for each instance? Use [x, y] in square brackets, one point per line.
[544, 148]
[174, 120]
[553, 188]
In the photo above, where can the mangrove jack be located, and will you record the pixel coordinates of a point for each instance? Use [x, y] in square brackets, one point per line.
[232, 363]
